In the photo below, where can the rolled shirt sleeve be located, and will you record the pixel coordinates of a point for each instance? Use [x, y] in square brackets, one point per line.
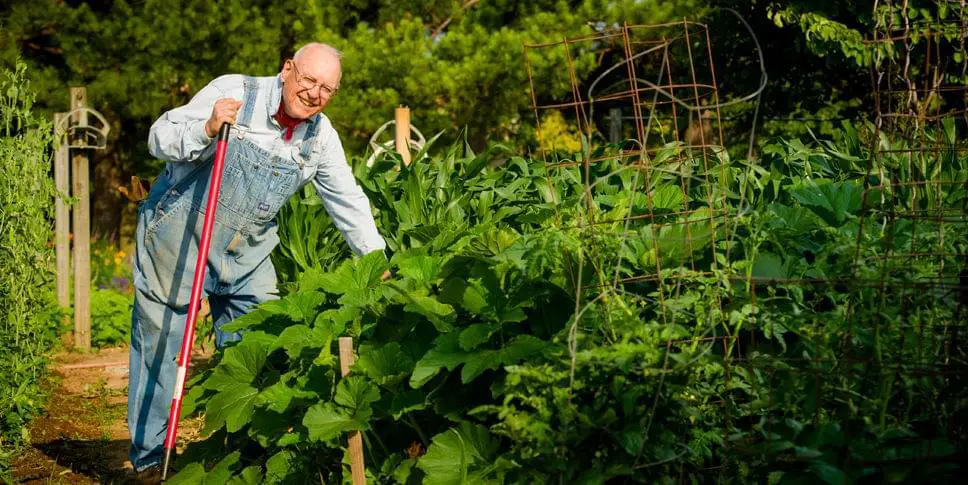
[179, 135]
[343, 198]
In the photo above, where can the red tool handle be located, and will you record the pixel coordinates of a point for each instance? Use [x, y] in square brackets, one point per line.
[188, 339]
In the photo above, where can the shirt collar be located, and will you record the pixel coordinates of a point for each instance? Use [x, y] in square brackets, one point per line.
[274, 99]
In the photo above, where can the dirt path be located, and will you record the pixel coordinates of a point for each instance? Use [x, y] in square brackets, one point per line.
[83, 437]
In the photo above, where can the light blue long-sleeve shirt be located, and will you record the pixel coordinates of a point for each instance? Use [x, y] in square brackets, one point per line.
[179, 136]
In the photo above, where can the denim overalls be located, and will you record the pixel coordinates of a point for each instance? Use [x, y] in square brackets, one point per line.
[255, 184]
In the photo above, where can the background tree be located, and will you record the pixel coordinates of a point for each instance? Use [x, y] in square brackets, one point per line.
[457, 64]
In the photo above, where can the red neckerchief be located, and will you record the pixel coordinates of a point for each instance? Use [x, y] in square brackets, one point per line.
[287, 122]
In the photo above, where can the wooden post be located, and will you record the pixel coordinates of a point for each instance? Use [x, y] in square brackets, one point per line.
[355, 439]
[615, 125]
[401, 117]
[62, 214]
[82, 233]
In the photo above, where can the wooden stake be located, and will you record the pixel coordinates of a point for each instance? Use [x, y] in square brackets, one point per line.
[62, 214]
[355, 439]
[615, 125]
[82, 233]
[401, 117]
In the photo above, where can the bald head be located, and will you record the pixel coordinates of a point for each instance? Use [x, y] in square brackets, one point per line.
[310, 79]
[318, 52]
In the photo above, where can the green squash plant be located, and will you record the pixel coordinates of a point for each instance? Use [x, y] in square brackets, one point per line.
[740, 345]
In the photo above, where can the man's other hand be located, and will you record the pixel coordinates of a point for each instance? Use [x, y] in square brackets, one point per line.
[386, 275]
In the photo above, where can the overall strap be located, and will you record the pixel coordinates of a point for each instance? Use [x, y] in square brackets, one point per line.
[248, 101]
[307, 143]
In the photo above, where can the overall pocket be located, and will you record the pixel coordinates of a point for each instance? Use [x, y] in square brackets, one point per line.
[282, 182]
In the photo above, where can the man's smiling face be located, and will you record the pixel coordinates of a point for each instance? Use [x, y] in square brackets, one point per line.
[310, 82]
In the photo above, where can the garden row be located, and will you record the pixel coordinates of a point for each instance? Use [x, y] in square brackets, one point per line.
[790, 320]
[28, 316]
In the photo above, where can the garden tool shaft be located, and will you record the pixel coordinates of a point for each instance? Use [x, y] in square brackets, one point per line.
[197, 283]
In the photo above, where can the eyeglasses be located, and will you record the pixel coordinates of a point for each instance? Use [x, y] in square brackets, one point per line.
[308, 82]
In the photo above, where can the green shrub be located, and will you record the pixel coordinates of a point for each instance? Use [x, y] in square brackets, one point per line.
[500, 352]
[27, 306]
[110, 317]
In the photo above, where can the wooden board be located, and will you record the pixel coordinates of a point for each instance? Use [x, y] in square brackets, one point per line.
[82, 233]
[346, 359]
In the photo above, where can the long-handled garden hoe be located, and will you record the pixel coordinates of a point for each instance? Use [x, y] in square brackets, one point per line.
[186, 348]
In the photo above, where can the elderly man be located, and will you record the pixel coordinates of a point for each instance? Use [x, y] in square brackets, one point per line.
[279, 142]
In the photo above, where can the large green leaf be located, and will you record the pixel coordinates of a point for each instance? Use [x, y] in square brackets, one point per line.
[678, 241]
[192, 474]
[407, 401]
[668, 197]
[832, 201]
[250, 476]
[476, 334]
[387, 365]
[268, 426]
[770, 266]
[278, 396]
[232, 407]
[356, 274]
[286, 467]
[441, 315]
[336, 320]
[240, 364]
[469, 295]
[248, 320]
[478, 362]
[793, 219]
[326, 421]
[221, 473]
[304, 304]
[294, 339]
[312, 280]
[421, 267]
[445, 354]
[448, 353]
[357, 393]
[223, 470]
[277, 467]
[521, 347]
[460, 456]
[299, 306]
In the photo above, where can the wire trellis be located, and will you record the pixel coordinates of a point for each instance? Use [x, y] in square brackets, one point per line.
[895, 357]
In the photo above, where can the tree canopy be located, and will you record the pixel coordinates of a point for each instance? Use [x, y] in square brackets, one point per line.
[458, 64]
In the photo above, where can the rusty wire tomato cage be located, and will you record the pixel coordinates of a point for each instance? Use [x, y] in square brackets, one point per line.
[909, 253]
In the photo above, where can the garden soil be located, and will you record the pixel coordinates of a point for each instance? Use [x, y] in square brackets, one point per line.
[82, 436]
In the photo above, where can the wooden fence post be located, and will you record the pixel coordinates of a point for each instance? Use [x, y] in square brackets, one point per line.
[82, 232]
[401, 118]
[62, 214]
[355, 439]
[615, 125]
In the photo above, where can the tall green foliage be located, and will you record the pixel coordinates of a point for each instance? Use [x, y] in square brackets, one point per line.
[776, 345]
[820, 55]
[453, 66]
[26, 277]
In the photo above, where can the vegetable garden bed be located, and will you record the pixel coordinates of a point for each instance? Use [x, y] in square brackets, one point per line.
[526, 339]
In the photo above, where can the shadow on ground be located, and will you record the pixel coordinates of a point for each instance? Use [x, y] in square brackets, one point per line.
[97, 460]
[82, 437]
